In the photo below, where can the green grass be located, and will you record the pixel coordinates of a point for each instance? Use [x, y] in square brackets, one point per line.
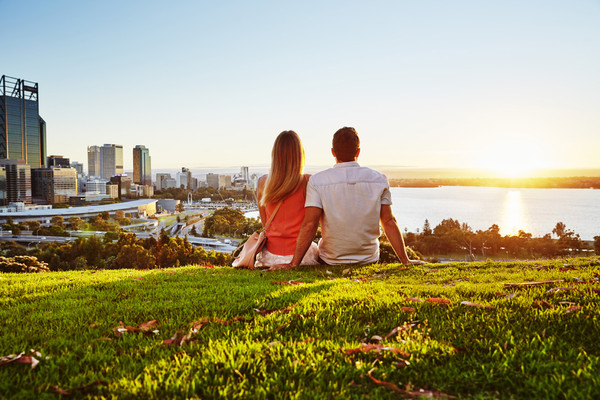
[298, 351]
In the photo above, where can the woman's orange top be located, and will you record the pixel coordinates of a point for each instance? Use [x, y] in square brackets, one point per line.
[283, 231]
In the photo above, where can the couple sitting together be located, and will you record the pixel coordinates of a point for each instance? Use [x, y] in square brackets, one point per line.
[349, 201]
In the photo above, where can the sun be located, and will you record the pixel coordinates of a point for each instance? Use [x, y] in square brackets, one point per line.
[512, 158]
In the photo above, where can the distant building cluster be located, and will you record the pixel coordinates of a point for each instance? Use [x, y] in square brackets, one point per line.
[29, 178]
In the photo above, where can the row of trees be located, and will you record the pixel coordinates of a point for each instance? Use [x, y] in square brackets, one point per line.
[126, 252]
[58, 225]
[230, 222]
[204, 192]
[453, 237]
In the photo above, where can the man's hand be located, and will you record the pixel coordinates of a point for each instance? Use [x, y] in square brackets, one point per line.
[278, 267]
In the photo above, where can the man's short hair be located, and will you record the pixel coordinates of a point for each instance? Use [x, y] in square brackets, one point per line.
[345, 144]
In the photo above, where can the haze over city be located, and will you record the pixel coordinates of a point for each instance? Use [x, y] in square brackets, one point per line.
[510, 86]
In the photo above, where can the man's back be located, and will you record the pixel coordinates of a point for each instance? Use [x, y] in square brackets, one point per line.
[350, 197]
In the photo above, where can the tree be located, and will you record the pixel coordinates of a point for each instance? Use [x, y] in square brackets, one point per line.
[57, 220]
[179, 208]
[119, 214]
[559, 229]
[32, 225]
[427, 228]
[75, 223]
[104, 215]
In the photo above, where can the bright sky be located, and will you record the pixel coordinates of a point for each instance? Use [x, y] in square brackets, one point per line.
[211, 83]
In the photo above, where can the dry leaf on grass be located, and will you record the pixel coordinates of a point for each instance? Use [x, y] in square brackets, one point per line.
[407, 309]
[22, 358]
[405, 327]
[471, 304]
[572, 309]
[144, 327]
[290, 282]
[563, 269]
[389, 385]
[437, 300]
[413, 299]
[346, 271]
[365, 348]
[179, 339]
[558, 289]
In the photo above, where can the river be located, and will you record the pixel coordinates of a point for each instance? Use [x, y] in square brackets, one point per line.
[532, 210]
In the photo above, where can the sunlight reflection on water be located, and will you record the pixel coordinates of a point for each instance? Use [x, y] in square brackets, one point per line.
[512, 219]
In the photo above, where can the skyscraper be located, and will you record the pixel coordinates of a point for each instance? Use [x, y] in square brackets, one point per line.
[106, 161]
[22, 130]
[111, 162]
[142, 171]
[18, 180]
[94, 161]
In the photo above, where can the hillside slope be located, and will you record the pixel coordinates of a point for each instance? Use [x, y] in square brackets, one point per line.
[380, 331]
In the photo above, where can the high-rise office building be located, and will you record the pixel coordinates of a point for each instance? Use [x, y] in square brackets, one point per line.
[111, 162]
[159, 180]
[22, 130]
[106, 161]
[58, 161]
[212, 180]
[18, 180]
[3, 194]
[142, 171]
[93, 161]
[184, 178]
[54, 185]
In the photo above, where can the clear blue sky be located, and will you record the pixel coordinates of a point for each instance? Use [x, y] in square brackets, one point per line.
[211, 83]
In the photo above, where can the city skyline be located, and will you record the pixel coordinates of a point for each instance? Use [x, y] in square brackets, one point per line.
[510, 87]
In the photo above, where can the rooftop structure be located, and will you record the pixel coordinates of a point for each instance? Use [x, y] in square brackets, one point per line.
[22, 130]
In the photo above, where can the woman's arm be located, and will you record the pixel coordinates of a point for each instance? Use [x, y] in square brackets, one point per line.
[260, 187]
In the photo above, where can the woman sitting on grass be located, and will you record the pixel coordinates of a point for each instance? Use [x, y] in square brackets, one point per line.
[285, 184]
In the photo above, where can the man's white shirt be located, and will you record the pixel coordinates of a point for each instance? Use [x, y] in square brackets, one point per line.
[350, 197]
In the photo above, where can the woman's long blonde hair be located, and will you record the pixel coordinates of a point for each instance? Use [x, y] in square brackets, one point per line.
[287, 165]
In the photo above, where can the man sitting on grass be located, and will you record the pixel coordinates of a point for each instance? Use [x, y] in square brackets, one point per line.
[350, 201]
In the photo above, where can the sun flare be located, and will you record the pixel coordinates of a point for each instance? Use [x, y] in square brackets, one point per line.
[512, 159]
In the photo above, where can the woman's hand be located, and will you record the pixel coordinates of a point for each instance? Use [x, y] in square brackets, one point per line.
[278, 267]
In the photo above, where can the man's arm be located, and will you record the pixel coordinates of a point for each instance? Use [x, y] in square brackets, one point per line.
[392, 231]
[308, 229]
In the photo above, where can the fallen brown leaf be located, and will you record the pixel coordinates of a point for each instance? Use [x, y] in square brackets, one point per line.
[438, 300]
[389, 385]
[471, 304]
[541, 304]
[22, 358]
[290, 282]
[407, 309]
[563, 269]
[346, 271]
[144, 327]
[413, 299]
[365, 348]
[573, 309]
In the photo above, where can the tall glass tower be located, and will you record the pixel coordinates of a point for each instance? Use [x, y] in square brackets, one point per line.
[142, 171]
[22, 130]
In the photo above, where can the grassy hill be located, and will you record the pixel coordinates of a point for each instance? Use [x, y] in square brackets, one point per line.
[379, 331]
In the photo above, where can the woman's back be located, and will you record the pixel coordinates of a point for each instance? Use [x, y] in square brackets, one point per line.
[283, 230]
